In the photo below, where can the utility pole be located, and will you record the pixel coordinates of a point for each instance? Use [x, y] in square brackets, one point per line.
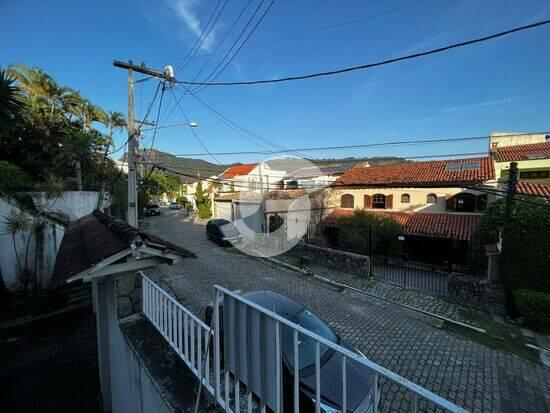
[133, 143]
[132, 155]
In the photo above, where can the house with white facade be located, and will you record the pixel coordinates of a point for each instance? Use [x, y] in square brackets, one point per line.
[317, 176]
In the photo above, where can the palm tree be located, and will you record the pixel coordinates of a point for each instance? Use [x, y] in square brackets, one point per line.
[11, 105]
[115, 121]
[40, 86]
[15, 224]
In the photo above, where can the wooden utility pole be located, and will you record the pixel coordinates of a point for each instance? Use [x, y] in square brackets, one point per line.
[132, 135]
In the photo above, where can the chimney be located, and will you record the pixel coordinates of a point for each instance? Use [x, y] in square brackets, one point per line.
[493, 148]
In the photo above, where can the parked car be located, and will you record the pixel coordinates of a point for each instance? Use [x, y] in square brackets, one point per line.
[174, 205]
[360, 379]
[152, 209]
[222, 232]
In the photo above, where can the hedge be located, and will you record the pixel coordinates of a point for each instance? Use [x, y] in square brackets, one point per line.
[535, 307]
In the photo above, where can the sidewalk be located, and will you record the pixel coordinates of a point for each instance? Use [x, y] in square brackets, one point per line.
[499, 333]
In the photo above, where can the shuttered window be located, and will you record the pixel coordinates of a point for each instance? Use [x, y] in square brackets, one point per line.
[347, 201]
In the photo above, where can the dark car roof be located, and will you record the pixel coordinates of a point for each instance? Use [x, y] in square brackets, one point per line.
[219, 221]
[279, 303]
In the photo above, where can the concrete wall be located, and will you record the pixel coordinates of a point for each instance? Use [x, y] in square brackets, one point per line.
[73, 204]
[417, 198]
[509, 139]
[41, 253]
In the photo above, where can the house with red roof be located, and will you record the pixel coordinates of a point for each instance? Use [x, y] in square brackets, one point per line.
[439, 198]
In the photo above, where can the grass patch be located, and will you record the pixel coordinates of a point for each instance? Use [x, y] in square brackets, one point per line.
[499, 339]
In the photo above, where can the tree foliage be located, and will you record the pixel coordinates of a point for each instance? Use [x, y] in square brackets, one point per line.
[46, 127]
[158, 183]
[204, 203]
[525, 261]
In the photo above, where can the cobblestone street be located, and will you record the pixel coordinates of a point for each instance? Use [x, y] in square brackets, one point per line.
[470, 374]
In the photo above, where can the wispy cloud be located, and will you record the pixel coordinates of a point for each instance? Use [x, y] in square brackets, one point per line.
[188, 23]
[480, 105]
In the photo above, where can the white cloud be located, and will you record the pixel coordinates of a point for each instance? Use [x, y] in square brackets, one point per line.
[186, 13]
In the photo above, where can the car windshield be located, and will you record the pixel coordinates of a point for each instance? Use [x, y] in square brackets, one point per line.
[306, 345]
[153, 206]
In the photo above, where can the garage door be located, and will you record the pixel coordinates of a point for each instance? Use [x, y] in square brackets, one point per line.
[224, 210]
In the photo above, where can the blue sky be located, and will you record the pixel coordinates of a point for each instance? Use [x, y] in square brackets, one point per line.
[498, 85]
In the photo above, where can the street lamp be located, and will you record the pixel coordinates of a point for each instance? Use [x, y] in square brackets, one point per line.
[190, 124]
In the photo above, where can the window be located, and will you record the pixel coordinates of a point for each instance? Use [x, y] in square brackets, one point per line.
[534, 174]
[431, 199]
[346, 201]
[379, 201]
[252, 185]
[405, 199]
[465, 202]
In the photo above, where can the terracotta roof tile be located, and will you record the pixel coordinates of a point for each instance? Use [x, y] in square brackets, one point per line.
[531, 188]
[98, 236]
[455, 226]
[419, 173]
[238, 170]
[539, 150]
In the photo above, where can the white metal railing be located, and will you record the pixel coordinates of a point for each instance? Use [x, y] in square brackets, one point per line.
[189, 337]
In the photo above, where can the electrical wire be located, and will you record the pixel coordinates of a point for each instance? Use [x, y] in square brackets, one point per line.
[222, 40]
[310, 31]
[241, 46]
[185, 61]
[193, 131]
[361, 146]
[375, 64]
[155, 131]
[236, 41]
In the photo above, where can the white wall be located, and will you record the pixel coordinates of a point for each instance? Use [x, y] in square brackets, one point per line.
[509, 139]
[74, 204]
[45, 252]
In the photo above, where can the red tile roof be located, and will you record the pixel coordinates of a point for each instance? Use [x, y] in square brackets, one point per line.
[419, 173]
[531, 188]
[455, 226]
[238, 170]
[523, 152]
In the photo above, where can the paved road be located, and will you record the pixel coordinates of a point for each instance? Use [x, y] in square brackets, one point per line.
[473, 376]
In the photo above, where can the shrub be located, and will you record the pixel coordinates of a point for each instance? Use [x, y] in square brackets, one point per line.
[189, 207]
[319, 241]
[535, 306]
[182, 200]
[12, 176]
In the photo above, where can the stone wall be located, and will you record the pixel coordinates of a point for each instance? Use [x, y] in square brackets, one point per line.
[129, 295]
[348, 262]
[480, 294]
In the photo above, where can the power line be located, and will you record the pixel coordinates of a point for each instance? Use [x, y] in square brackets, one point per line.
[313, 30]
[192, 130]
[235, 42]
[155, 131]
[185, 60]
[242, 44]
[222, 40]
[360, 146]
[375, 64]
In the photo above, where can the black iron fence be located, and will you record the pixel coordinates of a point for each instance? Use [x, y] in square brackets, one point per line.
[419, 262]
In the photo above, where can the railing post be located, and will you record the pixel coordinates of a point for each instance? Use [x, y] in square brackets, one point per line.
[216, 346]
[317, 378]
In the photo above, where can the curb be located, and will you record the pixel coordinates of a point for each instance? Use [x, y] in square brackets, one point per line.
[348, 287]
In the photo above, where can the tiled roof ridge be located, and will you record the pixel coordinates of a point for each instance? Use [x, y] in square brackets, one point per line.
[122, 230]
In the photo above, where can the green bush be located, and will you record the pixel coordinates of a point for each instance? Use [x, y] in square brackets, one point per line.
[189, 207]
[12, 176]
[535, 307]
[182, 200]
[525, 262]
[319, 241]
